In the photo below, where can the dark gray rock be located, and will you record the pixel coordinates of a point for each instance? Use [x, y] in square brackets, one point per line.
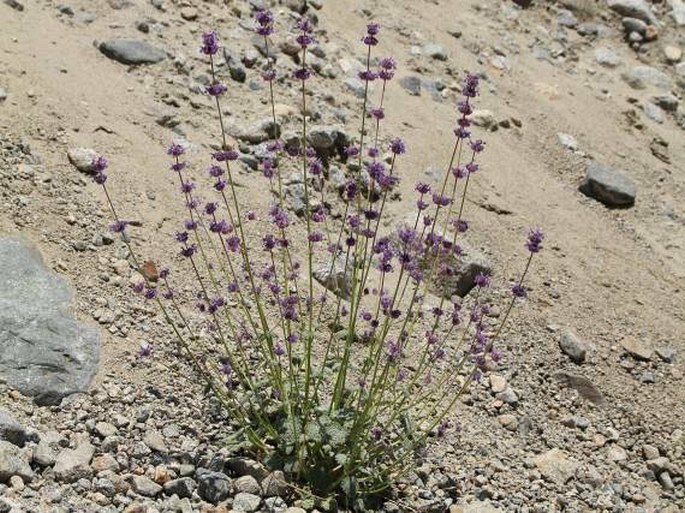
[213, 487]
[183, 487]
[631, 25]
[571, 345]
[633, 8]
[235, 66]
[46, 353]
[132, 51]
[608, 186]
[10, 429]
[15, 4]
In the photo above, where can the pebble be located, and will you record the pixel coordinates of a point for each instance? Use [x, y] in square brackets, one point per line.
[189, 13]
[497, 383]
[82, 158]
[13, 462]
[567, 141]
[672, 54]
[508, 421]
[3, 94]
[573, 346]
[435, 51]
[607, 58]
[637, 348]
[145, 486]
[666, 354]
[155, 441]
[246, 502]
[74, 464]
[247, 484]
[556, 466]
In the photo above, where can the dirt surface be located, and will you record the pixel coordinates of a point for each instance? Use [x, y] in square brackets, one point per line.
[605, 274]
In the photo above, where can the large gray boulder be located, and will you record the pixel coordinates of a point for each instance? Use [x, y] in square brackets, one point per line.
[45, 353]
[131, 51]
[608, 186]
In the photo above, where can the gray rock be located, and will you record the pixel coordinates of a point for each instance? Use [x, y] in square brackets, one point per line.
[131, 51]
[677, 12]
[637, 348]
[435, 51]
[246, 502]
[247, 484]
[74, 464]
[247, 467]
[105, 429]
[607, 58]
[463, 271]
[3, 95]
[335, 277]
[653, 112]
[213, 487]
[262, 131]
[356, 86]
[680, 74]
[412, 85]
[15, 4]
[608, 186]
[145, 486]
[13, 462]
[508, 396]
[82, 158]
[235, 67]
[183, 487]
[572, 346]
[328, 140]
[667, 102]
[10, 429]
[566, 18]
[44, 453]
[274, 484]
[633, 8]
[556, 466]
[46, 353]
[631, 25]
[155, 441]
[667, 354]
[641, 77]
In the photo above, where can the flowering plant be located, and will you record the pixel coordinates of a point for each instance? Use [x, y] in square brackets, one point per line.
[339, 367]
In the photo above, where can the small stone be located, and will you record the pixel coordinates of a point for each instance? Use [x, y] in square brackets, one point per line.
[666, 481]
[631, 25]
[143, 485]
[607, 58]
[567, 141]
[667, 102]
[412, 85]
[3, 95]
[658, 464]
[130, 51]
[16, 483]
[74, 464]
[648, 377]
[183, 487]
[11, 430]
[155, 441]
[189, 13]
[508, 421]
[274, 484]
[666, 354]
[649, 452]
[497, 383]
[213, 487]
[672, 54]
[651, 33]
[653, 112]
[335, 277]
[572, 346]
[637, 348]
[246, 502]
[13, 462]
[556, 466]
[82, 158]
[435, 51]
[617, 453]
[483, 118]
[247, 484]
[508, 396]
[105, 462]
[633, 8]
[105, 429]
[608, 186]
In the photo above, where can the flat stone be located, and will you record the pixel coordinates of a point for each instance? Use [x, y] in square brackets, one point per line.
[155, 441]
[13, 462]
[143, 485]
[667, 354]
[641, 77]
[556, 466]
[637, 348]
[572, 346]
[633, 8]
[607, 58]
[608, 186]
[653, 112]
[131, 51]
[10, 429]
[46, 353]
[497, 383]
[74, 464]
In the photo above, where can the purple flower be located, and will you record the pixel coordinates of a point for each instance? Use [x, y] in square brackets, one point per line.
[189, 251]
[305, 25]
[423, 188]
[519, 291]
[222, 156]
[534, 243]
[215, 171]
[472, 167]
[464, 108]
[387, 68]
[265, 21]
[233, 243]
[187, 187]
[302, 74]
[458, 172]
[441, 201]
[477, 146]
[151, 293]
[182, 237]
[304, 40]
[216, 89]
[269, 75]
[462, 133]
[279, 217]
[139, 287]
[99, 164]
[268, 242]
[178, 166]
[146, 350]
[190, 225]
[367, 75]
[377, 113]
[397, 146]
[470, 88]
[220, 185]
[482, 280]
[376, 433]
[393, 351]
[118, 226]
[210, 43]
[175, 150]
[164, 273]
[315, 237]
[100, 178]
[372, 30]
[315, 167]
[352, 151]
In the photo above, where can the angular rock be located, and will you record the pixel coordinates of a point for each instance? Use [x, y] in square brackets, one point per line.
[667, 354]
[183, 487]
[672, 54]
[13, 462]
[155, 441]
[637, 348]
[633, 8]
[572, 346]
[585, 388]
[213, 487]
[10, 429]
[247, 484]
[641, 77]
[82, 159]
[74, 464]
[327, 140]
[435, 51]
[132, 51]
[677, 12]
[463, 270]
[46, 353]
[246, 503]
[608, 186]
[335, 277]
[274, 484]
[145, 486]
[567, 141]
[556, 466]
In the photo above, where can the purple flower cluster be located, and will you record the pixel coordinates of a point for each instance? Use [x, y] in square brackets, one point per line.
[372, 30]
[264, 21]
[210, 43]
[534, 243]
